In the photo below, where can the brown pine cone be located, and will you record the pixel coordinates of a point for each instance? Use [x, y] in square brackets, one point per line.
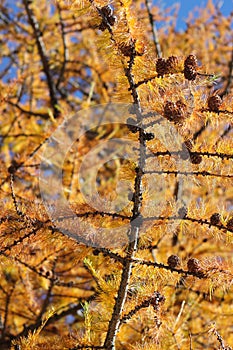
[173, 261]
[156, 299]
[171, 64]
[180, 104]
[175, 112]
[181, 110]
[190, 72]
[215, 219]
[127, 50]
[191, 60]
[230, 224]
[161, 67]
[111, 20]
[195, 158]
[103, 26]
[214, 102]
[194, 266]
[106, 10]
[169, 109]
[189, 144]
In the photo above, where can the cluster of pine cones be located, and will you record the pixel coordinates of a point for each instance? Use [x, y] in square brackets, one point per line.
[170, 65]
[177, 111]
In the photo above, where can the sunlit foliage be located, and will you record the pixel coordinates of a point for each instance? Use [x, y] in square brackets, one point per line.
[170, 285]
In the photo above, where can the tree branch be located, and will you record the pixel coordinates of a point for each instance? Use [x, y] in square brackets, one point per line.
[154, 31]
[43, 55]
[65, 48]
[135, 228]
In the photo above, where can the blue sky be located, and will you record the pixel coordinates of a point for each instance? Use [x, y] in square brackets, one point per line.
[187, 6]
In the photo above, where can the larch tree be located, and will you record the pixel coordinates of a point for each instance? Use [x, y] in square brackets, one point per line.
[116, 219]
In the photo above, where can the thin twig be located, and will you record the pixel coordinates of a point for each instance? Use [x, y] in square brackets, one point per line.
[153, 300]
[187, 218]
[114, 323]
[154, 31]
[207, 154]
[36, 114]
[221, 341]
[199, 275]
[44, 58]
[18, 211]
[187, 173]
[65, 48]
[20, 240]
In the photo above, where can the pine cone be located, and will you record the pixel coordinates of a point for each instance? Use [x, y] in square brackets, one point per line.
[103, 26]
[215, 219]
[13, 167]
[127, 49]
[230, 224]
[195, 158]
[169, 110]
[175, 112]
[190, 72]
[148, 136]
[173, 261]
[180, 104]
[189, 144]
[171, 64]
[111, 20]
[194, 265]
[96, 252]
[214, 102]
[161, 67]
[156, 299]
[106, 11]
[191, 60]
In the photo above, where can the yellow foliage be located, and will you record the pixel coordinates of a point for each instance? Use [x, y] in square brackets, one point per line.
[116, 223]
